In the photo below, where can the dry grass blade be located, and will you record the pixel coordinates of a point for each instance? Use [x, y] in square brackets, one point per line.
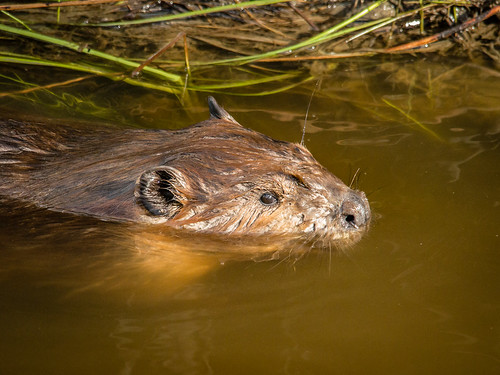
[54, 5]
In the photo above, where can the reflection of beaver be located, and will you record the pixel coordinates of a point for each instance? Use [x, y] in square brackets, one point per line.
[214, 176]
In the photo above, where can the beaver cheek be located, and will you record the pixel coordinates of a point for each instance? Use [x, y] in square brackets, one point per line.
[316, 215]
[321, 219]
[296, 222]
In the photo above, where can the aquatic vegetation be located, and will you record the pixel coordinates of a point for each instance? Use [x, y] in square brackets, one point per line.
[246, 48]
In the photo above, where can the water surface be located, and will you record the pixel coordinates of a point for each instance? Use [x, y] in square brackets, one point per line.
[419, 294]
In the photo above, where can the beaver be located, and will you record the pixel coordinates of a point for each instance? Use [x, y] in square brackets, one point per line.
[215, 176]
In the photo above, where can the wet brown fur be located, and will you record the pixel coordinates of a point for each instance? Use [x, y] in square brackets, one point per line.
[209, 177]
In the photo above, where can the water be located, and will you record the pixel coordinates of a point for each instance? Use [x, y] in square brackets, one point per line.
[419, 294]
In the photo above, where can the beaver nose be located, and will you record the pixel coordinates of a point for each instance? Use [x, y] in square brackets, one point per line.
[355, 210]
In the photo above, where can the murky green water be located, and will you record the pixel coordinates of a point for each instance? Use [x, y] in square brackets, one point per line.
[419, 295]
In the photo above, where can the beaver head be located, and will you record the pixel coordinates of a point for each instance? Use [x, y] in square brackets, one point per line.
[223, 178]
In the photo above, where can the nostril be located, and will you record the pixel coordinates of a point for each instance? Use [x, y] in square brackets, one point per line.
[351, 220]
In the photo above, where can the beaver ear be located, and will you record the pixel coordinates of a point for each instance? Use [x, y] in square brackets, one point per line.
[216, 111]
[157, 191]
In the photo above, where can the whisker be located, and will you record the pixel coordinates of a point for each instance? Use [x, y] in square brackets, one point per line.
[318, 82]
[329, 260]
[356, 174]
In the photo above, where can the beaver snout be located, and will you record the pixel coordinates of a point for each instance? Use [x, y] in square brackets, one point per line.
[355, 211]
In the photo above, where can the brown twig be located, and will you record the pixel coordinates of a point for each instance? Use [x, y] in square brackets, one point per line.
[442, 35]
[309, 22]
[260, 23]
[54, 5]
[151, 58]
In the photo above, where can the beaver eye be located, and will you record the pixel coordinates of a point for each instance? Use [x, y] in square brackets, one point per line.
[268, 199]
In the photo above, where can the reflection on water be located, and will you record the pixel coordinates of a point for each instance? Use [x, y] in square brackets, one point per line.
[418, 295]
[138, 263]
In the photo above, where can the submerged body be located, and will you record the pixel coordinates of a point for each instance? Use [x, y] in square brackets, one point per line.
[212, 177]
